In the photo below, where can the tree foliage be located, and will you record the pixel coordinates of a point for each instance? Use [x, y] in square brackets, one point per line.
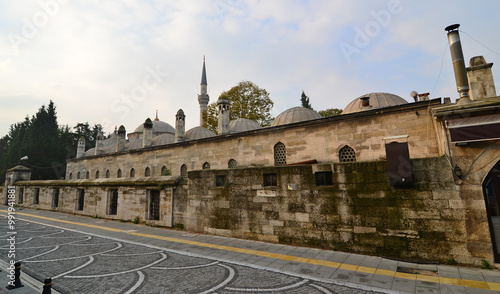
[304, 99]
[46, 144]
[330, 112]
[247, 101]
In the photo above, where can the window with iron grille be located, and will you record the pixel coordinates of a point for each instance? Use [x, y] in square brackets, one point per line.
[21, 196]
[347, 154]
[232, 163]
[81, 199]
[220, 180]
[279, 154]
[119, 173]
[323, 178]
[206, 165]
[132, 173]
[37, 196]
[112, 202]
[147, 172]
[154, 205]
[270, 179]
[55, 197]
[184, 171]
[97, 174]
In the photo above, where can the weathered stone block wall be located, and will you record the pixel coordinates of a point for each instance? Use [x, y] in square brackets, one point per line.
[132, 200]
[360, 212]
[320, 140]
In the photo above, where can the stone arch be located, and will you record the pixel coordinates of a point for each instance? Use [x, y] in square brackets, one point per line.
[70, 176]
[206, 165]
[119, 173]
[107, 174]
[147, 172]
[482, 165]
[87, 175]
[279, 154]
[132, 172]
[97, 174]
[184, 171]
[232, 163]
[347, 154]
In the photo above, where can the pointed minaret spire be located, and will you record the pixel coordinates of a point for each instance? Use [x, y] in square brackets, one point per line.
[156, 119]
[203, 97]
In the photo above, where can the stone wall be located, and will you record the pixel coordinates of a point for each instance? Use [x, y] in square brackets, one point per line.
[133, 202]
[359, 212]
[319, 139]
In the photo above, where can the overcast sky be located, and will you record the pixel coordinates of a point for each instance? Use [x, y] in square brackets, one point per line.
[117, 62]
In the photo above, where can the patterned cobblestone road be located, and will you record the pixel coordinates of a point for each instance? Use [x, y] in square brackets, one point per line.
[83, 263]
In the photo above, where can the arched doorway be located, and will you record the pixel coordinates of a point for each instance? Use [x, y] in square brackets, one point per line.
[491, 191]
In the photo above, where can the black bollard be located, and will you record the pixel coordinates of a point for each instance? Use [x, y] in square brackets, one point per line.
[47, 286]
[17, 280]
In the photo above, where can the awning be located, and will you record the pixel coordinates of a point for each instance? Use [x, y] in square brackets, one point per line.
[474, 129]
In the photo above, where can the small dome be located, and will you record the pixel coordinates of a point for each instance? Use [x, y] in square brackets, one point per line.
[295, 114]
[134, 144]
[376, 100]
[159, 127]
[199, 133]
[163, 139]
[243, 125]
[90, 152]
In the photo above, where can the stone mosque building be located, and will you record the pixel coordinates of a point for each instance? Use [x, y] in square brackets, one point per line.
[417, 180]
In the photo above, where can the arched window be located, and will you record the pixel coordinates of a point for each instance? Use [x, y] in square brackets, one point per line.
[165, 171]
[184, 171]
[232, 163]
[279, 154]
[78, 175]
[132, 173]
[107, 174]
[347, 154]
[147, 172]
[206, 165]
[87, 175]
[70, 176]
[97, 174]
[119, 173]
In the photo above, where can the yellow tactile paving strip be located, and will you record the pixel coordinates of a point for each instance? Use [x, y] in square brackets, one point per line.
[332, 264]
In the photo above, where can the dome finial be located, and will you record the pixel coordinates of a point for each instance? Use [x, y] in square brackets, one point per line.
[156, 119]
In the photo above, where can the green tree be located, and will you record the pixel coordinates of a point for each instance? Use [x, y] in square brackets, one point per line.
[304, 99]
[330, 112]
[247, 101]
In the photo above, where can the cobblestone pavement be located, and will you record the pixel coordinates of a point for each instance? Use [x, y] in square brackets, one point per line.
[84, 263]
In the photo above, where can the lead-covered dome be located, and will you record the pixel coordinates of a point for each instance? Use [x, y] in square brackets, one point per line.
[295, 114]
[159, 127]
[163, 139]
[243, 125]
[198, 133]
[375, 100]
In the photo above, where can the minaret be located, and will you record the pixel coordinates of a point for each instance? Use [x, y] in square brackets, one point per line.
[203, 98]
[180, 126]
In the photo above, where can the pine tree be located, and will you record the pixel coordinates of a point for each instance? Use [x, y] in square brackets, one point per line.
[304, 99]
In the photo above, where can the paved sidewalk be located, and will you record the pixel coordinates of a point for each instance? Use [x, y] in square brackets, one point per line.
[353, 270]
[30, 285]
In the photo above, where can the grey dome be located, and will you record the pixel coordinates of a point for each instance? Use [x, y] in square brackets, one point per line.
[295, 114]
[199, 133]
[134, 144]
[159, 127]
[163, 139]
[377, 100]
[243, 125]
[90, 152]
